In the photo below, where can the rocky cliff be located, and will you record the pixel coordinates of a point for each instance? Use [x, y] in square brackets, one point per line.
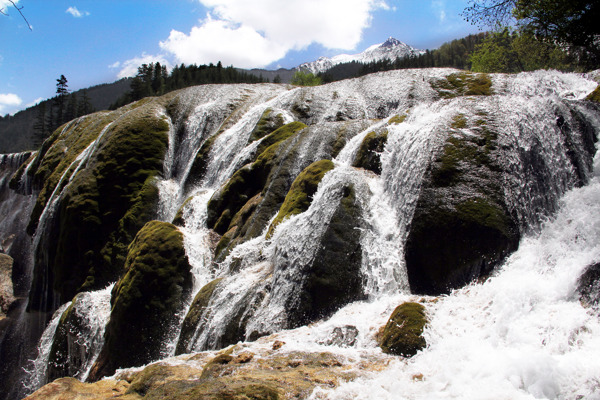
[230, 213]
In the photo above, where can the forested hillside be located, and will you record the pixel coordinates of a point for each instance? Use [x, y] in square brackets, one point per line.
[17, 131]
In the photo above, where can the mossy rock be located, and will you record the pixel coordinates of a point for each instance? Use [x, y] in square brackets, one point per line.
[461, 228]
[334, 278]
[463, 84]
[403, 333]
[248, 181]
[595, 95]
[369, 152]
[103, 207]
[300, 195]
[146, 299]
[397, 119]
[269, 122]
[192, 319]
[67, 354]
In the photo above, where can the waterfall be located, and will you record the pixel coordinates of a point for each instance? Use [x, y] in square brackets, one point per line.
[522, 334]
[36, 372]
[79, 326]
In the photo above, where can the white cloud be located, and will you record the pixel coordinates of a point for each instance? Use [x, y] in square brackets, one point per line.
[6, 3]
[76, 13]
[130, 67]
[257, 33]
[9, 101]
[114, 65]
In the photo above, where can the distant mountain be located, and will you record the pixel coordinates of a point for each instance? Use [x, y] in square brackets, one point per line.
[390, 49]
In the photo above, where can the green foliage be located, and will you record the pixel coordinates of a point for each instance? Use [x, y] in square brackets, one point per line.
[302, 78]
[403, 333]
[518, 51]
[572, 24]
[300, 195]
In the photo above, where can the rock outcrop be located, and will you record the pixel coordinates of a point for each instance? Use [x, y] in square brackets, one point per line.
[146, 299]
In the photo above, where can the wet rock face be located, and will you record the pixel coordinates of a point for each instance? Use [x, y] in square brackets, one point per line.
[146, 299]
[6, 288]
[192, 319]
[589, 287]
[84, 242]
[368, 156]
[334, 277]
[402, 334]
[461, 228]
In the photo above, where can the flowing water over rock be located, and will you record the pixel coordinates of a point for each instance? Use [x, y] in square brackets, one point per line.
[283, 245]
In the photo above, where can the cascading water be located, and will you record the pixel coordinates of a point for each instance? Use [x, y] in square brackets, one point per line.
[81, 337]
[520, 334]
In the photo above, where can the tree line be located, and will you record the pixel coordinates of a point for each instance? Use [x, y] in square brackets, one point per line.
[154, 79]
[52, 113]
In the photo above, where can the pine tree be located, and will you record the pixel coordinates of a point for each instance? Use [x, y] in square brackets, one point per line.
[60, 100]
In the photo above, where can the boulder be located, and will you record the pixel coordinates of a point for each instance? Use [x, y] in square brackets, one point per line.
[588, 287]
[403, 333]
[369, 152]
[146, 300]
[334, 278]
[461, 228]
[194, 315]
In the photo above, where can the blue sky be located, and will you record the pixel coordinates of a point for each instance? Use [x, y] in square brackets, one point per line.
[99, 41]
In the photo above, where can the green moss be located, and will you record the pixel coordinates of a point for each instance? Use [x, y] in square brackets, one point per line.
[480, 211]
[459, 121]
[397, 119]
[178, 219]
[267, 124]
[403, 333]
[368, 155]
[56, 156]
[104, 206]
[474, 149]
[595, 95]
[248, 181]
[280, 135]
[145, 301]
[463, 84]
[300, 195]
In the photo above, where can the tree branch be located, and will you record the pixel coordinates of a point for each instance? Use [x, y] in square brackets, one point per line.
[19, 10]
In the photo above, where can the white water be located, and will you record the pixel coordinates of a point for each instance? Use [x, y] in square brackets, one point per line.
[36, 372]
[520, 335]
[92, 312]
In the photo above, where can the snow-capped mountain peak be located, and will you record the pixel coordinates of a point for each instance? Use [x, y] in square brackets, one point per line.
[390, 49]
